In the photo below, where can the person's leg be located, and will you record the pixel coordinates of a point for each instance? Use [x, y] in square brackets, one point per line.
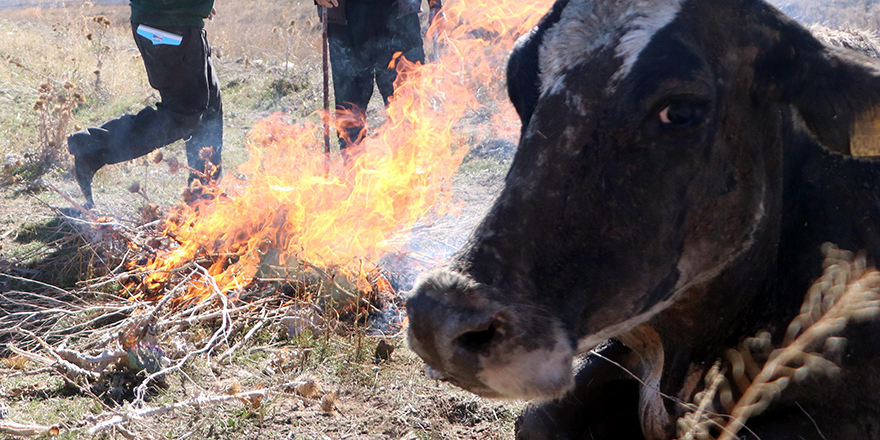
[209, 133]
[352, 77]
[183, 86]
[401, 34]
[124, 138]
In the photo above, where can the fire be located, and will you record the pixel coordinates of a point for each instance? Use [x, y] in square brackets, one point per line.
[297, 207]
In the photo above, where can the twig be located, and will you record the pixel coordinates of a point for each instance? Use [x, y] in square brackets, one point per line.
[28, 280]
[66, 368]
[213, 315]
[72, 202]
[31, 430]
[32, 356]
[98, 363]
[117, 418]
[125, 433]
[247, 337]
[141, 389]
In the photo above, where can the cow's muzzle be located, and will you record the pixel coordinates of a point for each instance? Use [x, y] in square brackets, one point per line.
[484, 346]
[451, 335]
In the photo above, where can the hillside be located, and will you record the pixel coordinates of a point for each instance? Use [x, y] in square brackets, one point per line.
[840, 14]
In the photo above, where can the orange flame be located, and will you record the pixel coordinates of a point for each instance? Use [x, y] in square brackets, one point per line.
[289, 209]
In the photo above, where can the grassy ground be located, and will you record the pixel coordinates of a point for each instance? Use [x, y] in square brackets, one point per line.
[387, 400]
[267, 55]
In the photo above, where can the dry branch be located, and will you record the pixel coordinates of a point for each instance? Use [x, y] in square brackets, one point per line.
[69, 370]
[109, 420]
[226, 321]
[72, 202]
[247, 337]
[30, 430]
[92, 345]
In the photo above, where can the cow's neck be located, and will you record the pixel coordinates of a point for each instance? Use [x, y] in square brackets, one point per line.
[666, 368]
[721, 311]
[829, 197]
[825, 197]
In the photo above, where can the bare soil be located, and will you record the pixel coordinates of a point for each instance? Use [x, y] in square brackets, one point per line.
[268, 61]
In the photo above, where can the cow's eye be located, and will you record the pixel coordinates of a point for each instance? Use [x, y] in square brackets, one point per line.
[682, 114]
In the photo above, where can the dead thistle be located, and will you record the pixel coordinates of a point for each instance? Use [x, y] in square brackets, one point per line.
[328, 403]
[15, 362]
[229, 387]
[96, 40]
[309, 386]
[173, 165]
[55, 107]
[253, 401]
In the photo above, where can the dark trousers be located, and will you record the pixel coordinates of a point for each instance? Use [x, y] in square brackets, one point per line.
[190, 106]
[361, 51]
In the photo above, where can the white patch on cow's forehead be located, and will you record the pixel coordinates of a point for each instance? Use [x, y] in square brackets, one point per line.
[587, 26]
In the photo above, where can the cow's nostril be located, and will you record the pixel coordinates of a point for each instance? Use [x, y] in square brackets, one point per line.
[478, 341]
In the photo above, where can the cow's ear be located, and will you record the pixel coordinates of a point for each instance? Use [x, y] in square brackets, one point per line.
[836, 91]
[523, 69]
[523, 82]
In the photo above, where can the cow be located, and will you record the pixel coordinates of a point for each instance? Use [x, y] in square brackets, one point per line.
[680, 166]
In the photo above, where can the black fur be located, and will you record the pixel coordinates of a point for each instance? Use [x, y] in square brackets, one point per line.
[523, 82]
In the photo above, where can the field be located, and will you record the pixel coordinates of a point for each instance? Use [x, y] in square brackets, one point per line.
[240, 369]
[268, 59]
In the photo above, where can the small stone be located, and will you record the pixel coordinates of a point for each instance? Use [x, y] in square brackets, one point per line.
[383, 351]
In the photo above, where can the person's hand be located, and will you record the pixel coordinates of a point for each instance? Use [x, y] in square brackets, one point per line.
[213, 13]
[328, 3]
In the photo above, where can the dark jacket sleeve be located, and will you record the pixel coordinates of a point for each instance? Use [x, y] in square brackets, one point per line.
[406, 7]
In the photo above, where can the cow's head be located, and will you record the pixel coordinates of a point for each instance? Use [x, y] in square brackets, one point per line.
[650, 162]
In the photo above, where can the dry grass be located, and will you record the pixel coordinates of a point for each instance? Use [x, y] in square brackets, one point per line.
[85, 362]
[79, 357]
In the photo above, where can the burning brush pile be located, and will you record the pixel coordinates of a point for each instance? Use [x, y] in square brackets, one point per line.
[288, 245]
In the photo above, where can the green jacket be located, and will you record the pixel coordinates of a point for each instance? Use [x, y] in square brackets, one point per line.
[171, 12]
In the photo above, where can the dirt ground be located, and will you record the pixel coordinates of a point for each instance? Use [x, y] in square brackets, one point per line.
[49, 260]
[391, 399]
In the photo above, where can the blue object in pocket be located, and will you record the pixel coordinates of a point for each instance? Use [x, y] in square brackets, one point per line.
[158, 36]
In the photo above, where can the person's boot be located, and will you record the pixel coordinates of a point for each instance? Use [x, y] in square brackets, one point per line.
[81, 146]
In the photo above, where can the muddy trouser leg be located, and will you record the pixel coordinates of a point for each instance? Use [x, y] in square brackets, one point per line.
[402, 34]
[209, 132]
[132, 136]
[352, 75]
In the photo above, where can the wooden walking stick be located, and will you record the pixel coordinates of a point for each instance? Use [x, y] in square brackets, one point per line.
[325, 46]
[434, 29]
